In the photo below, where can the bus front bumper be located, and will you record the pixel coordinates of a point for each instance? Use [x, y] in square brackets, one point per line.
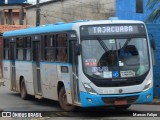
[90, 100]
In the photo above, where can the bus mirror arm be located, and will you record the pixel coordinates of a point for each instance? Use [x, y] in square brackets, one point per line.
[77, 49]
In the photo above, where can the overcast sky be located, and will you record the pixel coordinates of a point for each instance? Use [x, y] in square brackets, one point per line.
[34, 1]
[31, 1]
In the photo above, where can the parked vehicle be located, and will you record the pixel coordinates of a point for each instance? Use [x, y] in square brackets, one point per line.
[82, 63]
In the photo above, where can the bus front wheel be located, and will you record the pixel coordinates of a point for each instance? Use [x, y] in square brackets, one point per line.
[63, 101]
[24, 94]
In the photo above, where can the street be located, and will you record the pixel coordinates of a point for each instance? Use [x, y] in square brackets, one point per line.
[11, 101]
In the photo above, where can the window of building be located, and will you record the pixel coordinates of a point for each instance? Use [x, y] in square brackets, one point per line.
[139, 6]
[6, 49]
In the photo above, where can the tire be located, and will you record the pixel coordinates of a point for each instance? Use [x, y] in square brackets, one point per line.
[123, 107]
[23, 91]
[63, 101]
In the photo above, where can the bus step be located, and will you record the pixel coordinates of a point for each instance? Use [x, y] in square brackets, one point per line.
[39, 96]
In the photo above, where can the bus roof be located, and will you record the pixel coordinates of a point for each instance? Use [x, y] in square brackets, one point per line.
[40, 29]
[64, 27]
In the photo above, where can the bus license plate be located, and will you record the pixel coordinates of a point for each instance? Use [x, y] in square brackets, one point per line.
[121, 102]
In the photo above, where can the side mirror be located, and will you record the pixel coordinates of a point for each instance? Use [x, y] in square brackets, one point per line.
[153, 44]
[77, 49]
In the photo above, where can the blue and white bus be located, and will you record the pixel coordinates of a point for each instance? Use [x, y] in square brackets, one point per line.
[82, 63]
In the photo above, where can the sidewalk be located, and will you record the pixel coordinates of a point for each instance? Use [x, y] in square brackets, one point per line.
[156, 101]
[1, 84]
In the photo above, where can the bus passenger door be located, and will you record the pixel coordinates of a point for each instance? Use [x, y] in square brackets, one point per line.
[36, 68]
[12, 58]
[75, 82]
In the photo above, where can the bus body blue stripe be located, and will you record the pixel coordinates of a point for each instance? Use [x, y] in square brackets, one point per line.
[97, 99]
[54, 63]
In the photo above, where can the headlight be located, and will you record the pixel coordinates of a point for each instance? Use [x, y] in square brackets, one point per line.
[146, 87]
[89, 88]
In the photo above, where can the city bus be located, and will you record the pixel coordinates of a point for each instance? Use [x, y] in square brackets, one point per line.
[83, 63]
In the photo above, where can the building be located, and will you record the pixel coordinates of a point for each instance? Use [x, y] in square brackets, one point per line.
[12, 17]
[13, 14]
[70, 10]
[138, 10]
[15, 17]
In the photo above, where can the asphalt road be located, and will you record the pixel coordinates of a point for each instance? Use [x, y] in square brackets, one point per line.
[11, 101]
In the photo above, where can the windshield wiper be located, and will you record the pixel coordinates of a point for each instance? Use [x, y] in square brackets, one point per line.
[103, 44]
[125, 44]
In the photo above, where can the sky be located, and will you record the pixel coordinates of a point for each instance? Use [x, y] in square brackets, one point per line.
[34, 1]
[31, 1]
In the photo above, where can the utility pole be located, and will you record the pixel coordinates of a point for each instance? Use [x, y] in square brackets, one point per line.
[2, 17]
[37, 14]
[10, 16]
[21, 16]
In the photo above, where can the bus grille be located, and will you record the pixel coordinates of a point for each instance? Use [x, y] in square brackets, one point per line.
[110, 101]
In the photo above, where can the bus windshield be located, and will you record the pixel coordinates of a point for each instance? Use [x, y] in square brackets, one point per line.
[115, 58]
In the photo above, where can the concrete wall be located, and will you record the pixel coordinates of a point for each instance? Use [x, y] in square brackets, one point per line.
[70, 10]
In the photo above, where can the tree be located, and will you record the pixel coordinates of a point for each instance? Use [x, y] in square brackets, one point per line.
[155, 14]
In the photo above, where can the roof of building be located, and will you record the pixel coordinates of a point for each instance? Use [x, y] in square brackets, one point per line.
[4, 28]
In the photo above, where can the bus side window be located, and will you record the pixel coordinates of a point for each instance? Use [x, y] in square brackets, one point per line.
[49, 48]
[6, 49]
[20, 47]
[27, 48]
[61, 42]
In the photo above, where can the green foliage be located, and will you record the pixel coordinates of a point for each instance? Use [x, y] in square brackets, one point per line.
[155, 14]
[152, 3]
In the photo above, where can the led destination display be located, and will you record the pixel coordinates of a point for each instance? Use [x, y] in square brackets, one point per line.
[112, 29]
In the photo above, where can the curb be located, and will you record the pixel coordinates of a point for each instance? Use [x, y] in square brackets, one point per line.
[156, 102]
[1, 82]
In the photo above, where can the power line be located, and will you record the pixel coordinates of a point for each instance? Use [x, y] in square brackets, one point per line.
[72, 13]
[95, 7]
[52, 16]
[37, 14]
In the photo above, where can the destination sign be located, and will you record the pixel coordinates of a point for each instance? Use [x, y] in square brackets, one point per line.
[112, 29]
